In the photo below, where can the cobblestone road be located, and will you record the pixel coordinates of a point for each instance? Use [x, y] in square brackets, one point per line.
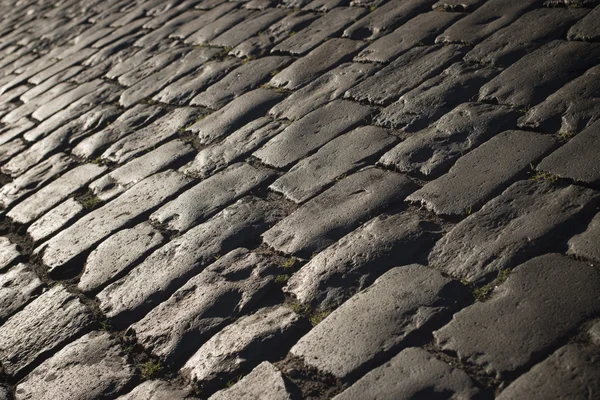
[299, 199]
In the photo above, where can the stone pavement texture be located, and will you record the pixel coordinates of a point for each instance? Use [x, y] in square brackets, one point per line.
[299, 199]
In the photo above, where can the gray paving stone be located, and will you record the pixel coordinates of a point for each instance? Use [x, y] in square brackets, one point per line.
[150, 136]
[571, 109]
[92, 367]
[33, 179]
[329, 86]
[235, 146]
[385, 18]
[520, 223]
[186, 88]
[131, 120]
[207, 33]
[356, 260]
[11, 131]
[412, 373]
[247, 77]
[163, 272]
[158, 80]
[585, 244]
[156, 62]
[9, 253]
[550, 67]
[118, 254]
[379, 320]
[594, 333]
[202, 201]
[18, 286]
[343, 155]
[100, 223]
[7, 150]
[62, 65]
[584, 166]
[154, 390]
[311, 132]
[210, 16]
[416, 32]
[234, 115]
[264, 382]
[432, 151]
[250, 27]
[404, 74]
[55, 219]
[312, 65]
[131, 63]
[224, 290]
[242, 345]
[337, 211]
[27, 109]
[122, 178]
[162, 30]
[54, 193]
[415, 109]
[457, 5]
[587, 29]
[483, 173]
[524, 319]
[525, 35]
[569, 373]
[64, 100]
[325, 27]
[47, 323]
[485, 20]
[123, 31]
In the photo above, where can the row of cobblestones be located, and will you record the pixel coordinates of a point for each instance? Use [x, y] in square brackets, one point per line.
[296, 199]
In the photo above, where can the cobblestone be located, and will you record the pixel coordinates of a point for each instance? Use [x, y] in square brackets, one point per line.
[18, 286]
[55, 219]
[9, 253]
[585, 244]
[264, 382]
[586, 29]
[154, 390]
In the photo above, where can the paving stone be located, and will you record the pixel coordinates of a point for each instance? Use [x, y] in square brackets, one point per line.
[325, 27]
[122, 178]
[337, 158]
[386, 18]
[379, 320]
[412, 373]
[324, 5]
[250, 27]
[337, 211]
[457, 84]
[64, 100]
[234, 115]
[432, 151]
[524, 318]
[571, 109]
[100, 223]
[154, 390]
[153, 64]
[150, 136]
[457, 5]
[587, 29]
[275, 34]
[585, 244]
[569, 373]
[118, 254]
[525, 35]
[235, 146]
[54, 193]
[311, 66]
[55, 219]
[62, 65]
[7, 150]
[404, 74]
[416, 32]
[264, 382]
[242, 345]
[329, 86]
[202, 201]
[247, 77]
[27, 109]
[485, 20]
[311, 132]
[162, 30]
[167, 268]
[520, 223]
[198, 23]
[33, 179]
[483, 173]
[124, 31]
[158, 80]
[550, 67]
[131, 120]
[356, 260]
[570, 3]
[224, 290]
[207, 33]
[186, 88]
[583, 167]
[47, 323]
[18, 286]
[11, 131]
[90, 368]
[594, 333]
